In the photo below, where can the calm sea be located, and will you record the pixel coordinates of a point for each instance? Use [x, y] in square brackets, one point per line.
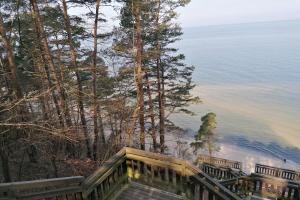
[249, 75]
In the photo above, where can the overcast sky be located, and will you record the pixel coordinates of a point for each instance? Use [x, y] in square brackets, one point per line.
[212, 12]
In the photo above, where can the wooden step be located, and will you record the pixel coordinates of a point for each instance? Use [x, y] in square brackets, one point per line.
[141, 192]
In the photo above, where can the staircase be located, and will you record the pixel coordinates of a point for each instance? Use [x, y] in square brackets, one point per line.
[141, 192]
[129, 174]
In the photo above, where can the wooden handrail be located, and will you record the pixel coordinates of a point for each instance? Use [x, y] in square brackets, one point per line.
[176, 175]
[264, 185]
[44, 188]
[220, 162]
[186, 169]
[277, 172]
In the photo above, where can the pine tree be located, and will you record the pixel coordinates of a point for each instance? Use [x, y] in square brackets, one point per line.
[205, 138]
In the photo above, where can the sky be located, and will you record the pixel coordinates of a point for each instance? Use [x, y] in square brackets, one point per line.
[215, 12]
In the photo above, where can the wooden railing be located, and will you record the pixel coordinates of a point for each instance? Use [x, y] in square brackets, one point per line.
[264, 186]
[69, 188]
[277, 172]
[174, 175]
[219, 162]
[220, 173]
[156, 170]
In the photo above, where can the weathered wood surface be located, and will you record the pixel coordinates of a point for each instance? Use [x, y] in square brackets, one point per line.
[141, 192]
[220, 173]
[277, 172]
[39, 189]
[264, 186]
[155, 170]
[175, 174]
[219, 162]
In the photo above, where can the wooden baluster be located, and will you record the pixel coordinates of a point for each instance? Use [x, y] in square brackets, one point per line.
[101, 190]
[167, 180]
[119, 170]
[286, 192]
[138, 170]
[197, 192]
[11, 195]
[222, 174]
[152, 173]
[128, 168]
[201, 192]
[95, 194]
[290, 191]
[210, 195]
[159, 174]
[188, 187]
[205, 193]
[133, 169]
[146, 174]
[174, 178]
[107, 183]
[293, 176]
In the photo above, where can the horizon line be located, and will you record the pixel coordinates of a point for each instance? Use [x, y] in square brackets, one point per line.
[241, 23]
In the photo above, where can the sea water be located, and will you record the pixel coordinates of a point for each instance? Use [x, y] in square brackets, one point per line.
[249, 75]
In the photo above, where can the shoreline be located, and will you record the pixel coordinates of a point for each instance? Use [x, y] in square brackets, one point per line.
[248, 156]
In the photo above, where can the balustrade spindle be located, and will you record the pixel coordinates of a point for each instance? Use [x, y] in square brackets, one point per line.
[152, 173]
[174, 179]
[146, 174]
[197, 192]
[167, 175]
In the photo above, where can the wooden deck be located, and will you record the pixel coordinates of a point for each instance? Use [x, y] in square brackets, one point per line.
[141, 192]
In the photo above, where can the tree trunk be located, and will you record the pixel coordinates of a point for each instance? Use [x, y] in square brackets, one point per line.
[162, 109]
[151, 110]
[79, 83]
[48, 75]
[50, 62]
[11, 61]
[96, 106]
[138, 73]
[160, 84]
[5, 166]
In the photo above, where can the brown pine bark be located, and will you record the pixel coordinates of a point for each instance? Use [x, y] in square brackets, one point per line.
[162, 111]
[78, 78]
[138, 72]
[48, 76]
[94, 71]
[11, 61]
[160, 84]
[151, 110]
[17, 93]
[50, 62]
